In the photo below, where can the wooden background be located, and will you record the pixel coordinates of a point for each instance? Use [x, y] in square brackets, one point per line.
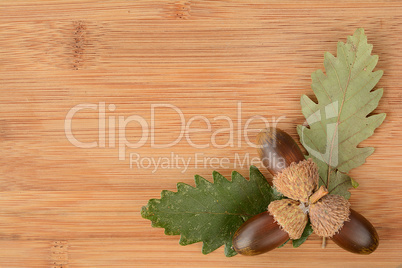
[64, 206]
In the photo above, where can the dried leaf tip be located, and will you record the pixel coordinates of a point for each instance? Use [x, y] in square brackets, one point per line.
[321, 192]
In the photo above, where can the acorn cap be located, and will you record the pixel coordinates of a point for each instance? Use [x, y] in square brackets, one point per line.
[328, 214]
[290, 216]
[298, 181]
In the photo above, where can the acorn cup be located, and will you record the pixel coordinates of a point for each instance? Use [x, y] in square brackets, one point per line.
[297, 178]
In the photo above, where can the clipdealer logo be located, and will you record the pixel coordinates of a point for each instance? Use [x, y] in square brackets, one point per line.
[112, 128]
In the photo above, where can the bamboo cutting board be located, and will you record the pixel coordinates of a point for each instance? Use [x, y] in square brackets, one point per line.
[73, 199]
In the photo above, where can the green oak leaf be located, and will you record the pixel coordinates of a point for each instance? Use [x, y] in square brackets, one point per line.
[211, 212]
[340, 119]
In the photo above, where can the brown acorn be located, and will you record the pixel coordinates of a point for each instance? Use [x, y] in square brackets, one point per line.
[277, 149]
[357, 235]
[258, 235]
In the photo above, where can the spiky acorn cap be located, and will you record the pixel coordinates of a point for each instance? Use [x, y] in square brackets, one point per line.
[328, 214]
[298, 181]
[290, 216]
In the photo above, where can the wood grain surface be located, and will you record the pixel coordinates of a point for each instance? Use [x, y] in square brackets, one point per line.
[66, 206]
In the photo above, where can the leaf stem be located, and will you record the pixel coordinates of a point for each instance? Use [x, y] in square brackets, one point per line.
[324, 242]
